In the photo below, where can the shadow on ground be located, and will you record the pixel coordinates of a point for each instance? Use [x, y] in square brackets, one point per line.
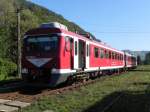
[130, 101]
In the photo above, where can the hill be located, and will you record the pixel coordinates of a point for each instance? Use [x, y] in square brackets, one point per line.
[31, 16]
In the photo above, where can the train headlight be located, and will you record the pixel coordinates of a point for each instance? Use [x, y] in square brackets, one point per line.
[24, 70]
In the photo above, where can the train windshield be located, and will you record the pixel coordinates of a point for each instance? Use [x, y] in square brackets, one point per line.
[41, 43]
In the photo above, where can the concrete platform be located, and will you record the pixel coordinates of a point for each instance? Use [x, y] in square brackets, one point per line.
[5, 108]
[17, 104]
[2, 101]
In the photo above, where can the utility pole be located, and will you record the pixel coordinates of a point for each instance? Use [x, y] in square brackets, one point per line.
[19, 42]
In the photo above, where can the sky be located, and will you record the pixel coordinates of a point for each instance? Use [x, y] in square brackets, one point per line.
[123, 24]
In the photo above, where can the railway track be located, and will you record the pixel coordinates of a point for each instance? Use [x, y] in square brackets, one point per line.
[18, 91]
[7, 82]
[26, 93]
[10, 86]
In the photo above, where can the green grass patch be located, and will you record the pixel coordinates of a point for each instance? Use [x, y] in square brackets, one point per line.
[133, 85]
[7, 70]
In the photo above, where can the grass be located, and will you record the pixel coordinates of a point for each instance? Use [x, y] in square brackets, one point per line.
[134, 85]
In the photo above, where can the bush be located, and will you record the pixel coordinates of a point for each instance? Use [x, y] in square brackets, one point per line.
[7, 69]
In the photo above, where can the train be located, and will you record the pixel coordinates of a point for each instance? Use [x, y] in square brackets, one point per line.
[52, 54]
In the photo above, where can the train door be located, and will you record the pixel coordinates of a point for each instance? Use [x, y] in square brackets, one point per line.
[76, 53]
[82, 54]
[125, 60]
[71, 52]
[87, 54]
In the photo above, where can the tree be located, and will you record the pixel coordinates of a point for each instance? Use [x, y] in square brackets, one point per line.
[139, 61]
[147, 59]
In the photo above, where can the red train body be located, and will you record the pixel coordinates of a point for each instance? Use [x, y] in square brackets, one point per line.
[53, 54]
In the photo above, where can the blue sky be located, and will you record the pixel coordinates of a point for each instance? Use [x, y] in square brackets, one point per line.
[123, 24]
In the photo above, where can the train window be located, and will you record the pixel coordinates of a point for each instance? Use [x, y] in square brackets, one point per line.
[71, 43]
[101, 53]
[75, 47]
[104, 53]
[109, 54]
[87, 50]
[66, 39]
[42, 43]
[119, 56]
[69, 40]
[113, 55]
[68, 45]
[96, 52]
[116, 56]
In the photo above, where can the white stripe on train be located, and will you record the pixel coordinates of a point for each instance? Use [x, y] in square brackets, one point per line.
[59, 71]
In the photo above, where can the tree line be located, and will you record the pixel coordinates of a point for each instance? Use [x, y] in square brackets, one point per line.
[146, 60]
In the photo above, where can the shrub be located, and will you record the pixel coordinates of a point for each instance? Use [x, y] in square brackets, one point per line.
[7, 69]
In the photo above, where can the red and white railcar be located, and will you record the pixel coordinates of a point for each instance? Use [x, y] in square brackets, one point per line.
[54, 54]
[130, 60]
